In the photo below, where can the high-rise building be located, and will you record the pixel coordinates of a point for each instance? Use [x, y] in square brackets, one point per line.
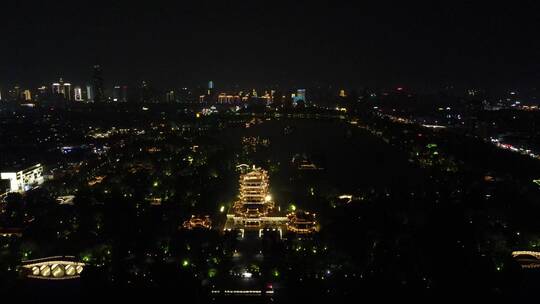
[15, 94]
[120, 93]
[299, 97]
[124, 95]
[62, 88]
[77, 91]
[117, 92]
[170, 96]
[27, 95]
[145, 91]
[97, 84]
[42, 93]
[210, 88]
[89, 93]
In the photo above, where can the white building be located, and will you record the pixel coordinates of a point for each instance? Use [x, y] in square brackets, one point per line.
[78, 94]
[25, 179]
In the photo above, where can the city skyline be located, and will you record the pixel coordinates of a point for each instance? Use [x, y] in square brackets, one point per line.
[300, 44]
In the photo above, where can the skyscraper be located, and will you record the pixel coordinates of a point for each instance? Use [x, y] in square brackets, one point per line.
[89, 93]
[42, 93]
[120, 93]
[97, 83]
[148, 94]
[62, 88]
[78, 93]
[210, 88]
[27, 95]
[299, 97]
[16, 93]
[116, 93]
[170, 96]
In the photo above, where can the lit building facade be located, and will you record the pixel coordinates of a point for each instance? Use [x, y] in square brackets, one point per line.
[89, 93]
[27, 95]
[120, 93]
[24, 180]
[62, 88]
[299, 97]
[170, 96]
[224, 98]
[78, 94]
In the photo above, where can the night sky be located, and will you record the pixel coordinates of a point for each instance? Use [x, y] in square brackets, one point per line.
[256, 43]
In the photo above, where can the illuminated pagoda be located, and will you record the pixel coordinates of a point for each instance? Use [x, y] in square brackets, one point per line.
[254, 200]
[254, 207]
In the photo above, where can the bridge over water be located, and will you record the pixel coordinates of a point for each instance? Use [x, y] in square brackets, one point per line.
[527, 259]
[53, 268]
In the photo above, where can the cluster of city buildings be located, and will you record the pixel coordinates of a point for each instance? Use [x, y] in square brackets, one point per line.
[65, 90]
[23, 178]
[95, 91]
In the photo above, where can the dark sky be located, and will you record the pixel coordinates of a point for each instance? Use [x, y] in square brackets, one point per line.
[262, 42]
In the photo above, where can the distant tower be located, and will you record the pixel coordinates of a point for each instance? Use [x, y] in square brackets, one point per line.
[210, 87]
[89, 93]
[299, 97]
[16, 93]
[97, 82]
[78, 93]
[117, 91]
[62, 88]
[42, 93]
[170, 96]
[147, 93]
[124, 95]
[27, 95]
